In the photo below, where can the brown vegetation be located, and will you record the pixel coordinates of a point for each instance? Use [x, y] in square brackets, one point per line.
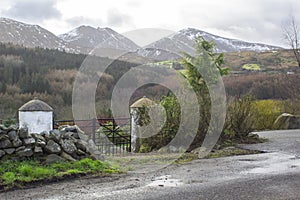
[263, 86]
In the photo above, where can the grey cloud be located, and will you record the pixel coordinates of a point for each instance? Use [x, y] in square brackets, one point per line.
[134, 3]
[254, 21]
[116, 18]
[34, 10]
[80, 20]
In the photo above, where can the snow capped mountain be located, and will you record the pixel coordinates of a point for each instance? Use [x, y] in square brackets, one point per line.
[184, 41]
[80, 40]
[28, 35]
[83, 39]
[87, 37]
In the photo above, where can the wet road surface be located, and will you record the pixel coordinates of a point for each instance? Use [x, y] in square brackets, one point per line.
[272, 175]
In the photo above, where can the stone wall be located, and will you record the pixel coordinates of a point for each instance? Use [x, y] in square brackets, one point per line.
[67, 143]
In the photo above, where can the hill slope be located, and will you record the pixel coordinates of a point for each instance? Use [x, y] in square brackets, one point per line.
[86, 38]
[184, 41]
[29, 35]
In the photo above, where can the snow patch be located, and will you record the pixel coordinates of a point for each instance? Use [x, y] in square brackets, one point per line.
[70, 36]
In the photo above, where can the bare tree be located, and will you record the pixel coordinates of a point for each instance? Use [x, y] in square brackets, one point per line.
[291, 35]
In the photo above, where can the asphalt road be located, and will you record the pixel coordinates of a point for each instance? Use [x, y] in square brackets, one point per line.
[273, 175]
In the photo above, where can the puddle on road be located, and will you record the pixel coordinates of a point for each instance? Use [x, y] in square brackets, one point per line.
[165, 181]
[275, 163]
[273, 169]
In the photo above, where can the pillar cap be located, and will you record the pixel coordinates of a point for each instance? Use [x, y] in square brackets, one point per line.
[142, 102]
[36, 105]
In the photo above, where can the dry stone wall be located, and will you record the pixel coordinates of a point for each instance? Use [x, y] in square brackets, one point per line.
[67, 143]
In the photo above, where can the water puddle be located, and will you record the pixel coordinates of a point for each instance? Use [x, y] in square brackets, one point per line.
[165, 181]
[276, 163]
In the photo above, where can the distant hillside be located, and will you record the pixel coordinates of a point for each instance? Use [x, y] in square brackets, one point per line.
[281, 61]
[50, 74]
[38, 58]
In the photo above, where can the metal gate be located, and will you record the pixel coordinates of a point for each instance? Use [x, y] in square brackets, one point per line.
[111, 135]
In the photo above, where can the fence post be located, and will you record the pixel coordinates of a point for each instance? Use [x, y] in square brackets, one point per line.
[94, 129]
[115, 149]
[130, 132]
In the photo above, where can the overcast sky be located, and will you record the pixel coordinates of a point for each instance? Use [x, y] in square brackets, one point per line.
[250, 20]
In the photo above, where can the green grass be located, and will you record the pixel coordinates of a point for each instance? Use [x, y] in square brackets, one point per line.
[12, 172]
[231, 152]
[166, 64]
[251, 67]
[186, 157]
[9, 177]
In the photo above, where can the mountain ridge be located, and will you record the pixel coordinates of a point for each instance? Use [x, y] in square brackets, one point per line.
[28, 35]
[84, 39]
[89, 37]
[184, 40]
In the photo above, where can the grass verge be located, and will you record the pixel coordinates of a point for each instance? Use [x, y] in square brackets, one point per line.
[147, 160]
[17, 174]
[231, 151]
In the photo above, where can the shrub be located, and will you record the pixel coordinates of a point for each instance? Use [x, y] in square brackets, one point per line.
[291, 106]
[246, 114]
[168, 131]
[144, 148]
[9, 122]
[267, 112]
[240, 117]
